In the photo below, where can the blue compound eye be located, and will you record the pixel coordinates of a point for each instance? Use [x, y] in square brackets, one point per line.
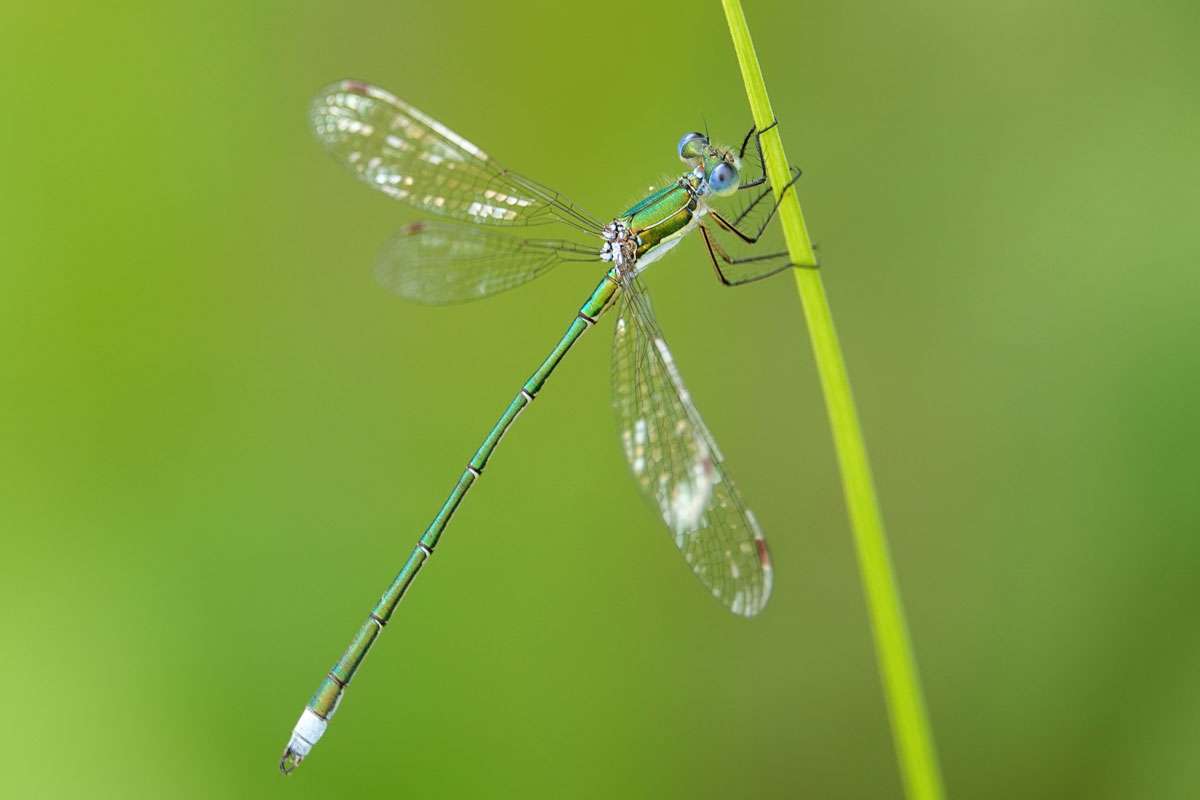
[723, 178]
[691, 146]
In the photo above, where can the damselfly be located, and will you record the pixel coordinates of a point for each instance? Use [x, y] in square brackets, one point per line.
[466, 255]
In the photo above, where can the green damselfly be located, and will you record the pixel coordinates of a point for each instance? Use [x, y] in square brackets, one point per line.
[467, 255]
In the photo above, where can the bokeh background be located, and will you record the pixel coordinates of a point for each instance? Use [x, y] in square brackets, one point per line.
[220, 437]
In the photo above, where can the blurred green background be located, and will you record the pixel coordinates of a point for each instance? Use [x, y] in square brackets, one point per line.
[221, 438]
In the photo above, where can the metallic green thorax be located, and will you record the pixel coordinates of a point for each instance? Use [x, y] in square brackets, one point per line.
[662, 214]
[325, 700]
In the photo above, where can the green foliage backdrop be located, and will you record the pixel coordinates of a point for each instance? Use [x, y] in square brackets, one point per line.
[220, 437]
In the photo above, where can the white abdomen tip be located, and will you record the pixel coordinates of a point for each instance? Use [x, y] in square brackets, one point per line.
[307, 732]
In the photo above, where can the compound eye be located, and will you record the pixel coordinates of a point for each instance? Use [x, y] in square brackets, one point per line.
[723, 178]
[691, 146]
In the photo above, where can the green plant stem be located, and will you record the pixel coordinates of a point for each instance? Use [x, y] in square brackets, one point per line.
[901, 684]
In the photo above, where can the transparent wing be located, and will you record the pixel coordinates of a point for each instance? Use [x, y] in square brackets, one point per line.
[412, 157]
[446, 262]
[678, 466]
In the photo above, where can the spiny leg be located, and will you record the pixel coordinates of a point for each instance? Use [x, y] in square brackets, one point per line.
[717, 253]
[732, 227]
[762, 195]
[761, 179]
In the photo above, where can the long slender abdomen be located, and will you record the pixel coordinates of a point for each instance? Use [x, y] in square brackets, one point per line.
[324, 702]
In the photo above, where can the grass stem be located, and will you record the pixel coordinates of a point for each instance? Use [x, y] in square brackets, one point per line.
[911, 731]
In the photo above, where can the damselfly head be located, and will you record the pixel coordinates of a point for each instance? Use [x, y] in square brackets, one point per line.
[716, 165]
[720, 168]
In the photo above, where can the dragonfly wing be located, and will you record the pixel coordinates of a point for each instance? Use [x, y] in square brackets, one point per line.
[438, 263]
[408, 155]
[678, 466]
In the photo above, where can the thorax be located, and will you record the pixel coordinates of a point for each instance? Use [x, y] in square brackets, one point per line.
[654, 225]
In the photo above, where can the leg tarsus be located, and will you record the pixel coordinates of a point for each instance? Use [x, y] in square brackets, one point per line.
[717, 253]
[761, 179]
